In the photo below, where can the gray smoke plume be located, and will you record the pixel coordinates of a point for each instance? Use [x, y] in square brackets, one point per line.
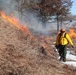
[28, 17]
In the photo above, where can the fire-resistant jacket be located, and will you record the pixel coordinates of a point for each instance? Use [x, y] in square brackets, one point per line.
[63, 40]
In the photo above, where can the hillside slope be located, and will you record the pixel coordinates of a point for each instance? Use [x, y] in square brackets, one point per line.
[20, 54]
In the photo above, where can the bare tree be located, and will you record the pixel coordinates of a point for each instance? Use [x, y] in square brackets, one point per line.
[45, 8]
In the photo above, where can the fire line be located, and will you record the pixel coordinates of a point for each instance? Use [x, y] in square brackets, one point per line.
[15, 22]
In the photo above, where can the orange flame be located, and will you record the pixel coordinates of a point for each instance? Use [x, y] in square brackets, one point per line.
[15, 22]
[72, 33]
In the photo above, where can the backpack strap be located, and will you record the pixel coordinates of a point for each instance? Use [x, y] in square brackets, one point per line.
[66, 37]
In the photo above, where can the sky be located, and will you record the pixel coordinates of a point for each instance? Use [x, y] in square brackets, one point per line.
[73, 9]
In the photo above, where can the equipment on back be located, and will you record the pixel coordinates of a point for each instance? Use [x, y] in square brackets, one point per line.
[64, 36]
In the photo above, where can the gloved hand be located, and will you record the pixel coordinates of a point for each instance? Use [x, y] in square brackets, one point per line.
[72, 46]
[56, 46]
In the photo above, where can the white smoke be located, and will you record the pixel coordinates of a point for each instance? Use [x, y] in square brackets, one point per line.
[28, 17]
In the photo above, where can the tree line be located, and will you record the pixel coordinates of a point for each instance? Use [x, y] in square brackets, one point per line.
[45, 8]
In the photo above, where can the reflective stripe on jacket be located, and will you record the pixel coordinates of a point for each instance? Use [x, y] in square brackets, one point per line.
[62, 40]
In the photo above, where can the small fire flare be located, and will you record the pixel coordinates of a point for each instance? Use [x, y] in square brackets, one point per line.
[72, 33]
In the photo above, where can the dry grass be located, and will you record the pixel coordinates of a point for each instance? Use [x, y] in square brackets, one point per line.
[20, 54]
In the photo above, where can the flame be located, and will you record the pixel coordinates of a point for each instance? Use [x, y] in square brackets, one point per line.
[72, 33]
[45, 41]
[14, 21]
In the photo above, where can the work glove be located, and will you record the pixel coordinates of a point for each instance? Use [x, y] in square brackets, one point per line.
[56, 46]
[72, 46]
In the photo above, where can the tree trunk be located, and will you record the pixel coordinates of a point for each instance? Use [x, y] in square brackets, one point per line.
[57, 23]
[61, 24]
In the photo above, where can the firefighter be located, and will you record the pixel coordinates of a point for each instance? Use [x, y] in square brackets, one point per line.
[62, 40]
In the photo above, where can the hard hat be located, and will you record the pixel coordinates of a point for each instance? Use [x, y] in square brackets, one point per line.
[62, 29]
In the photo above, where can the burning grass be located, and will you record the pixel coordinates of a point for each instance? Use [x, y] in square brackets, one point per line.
[20, 53]
[72, 33]
[15, 22]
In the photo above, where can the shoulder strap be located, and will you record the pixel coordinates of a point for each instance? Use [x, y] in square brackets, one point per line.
[66, 37]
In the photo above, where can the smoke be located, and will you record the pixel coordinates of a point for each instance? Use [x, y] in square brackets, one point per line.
[28, 17]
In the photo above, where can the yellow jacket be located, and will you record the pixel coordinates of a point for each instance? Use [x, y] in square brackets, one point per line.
[63, 40]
